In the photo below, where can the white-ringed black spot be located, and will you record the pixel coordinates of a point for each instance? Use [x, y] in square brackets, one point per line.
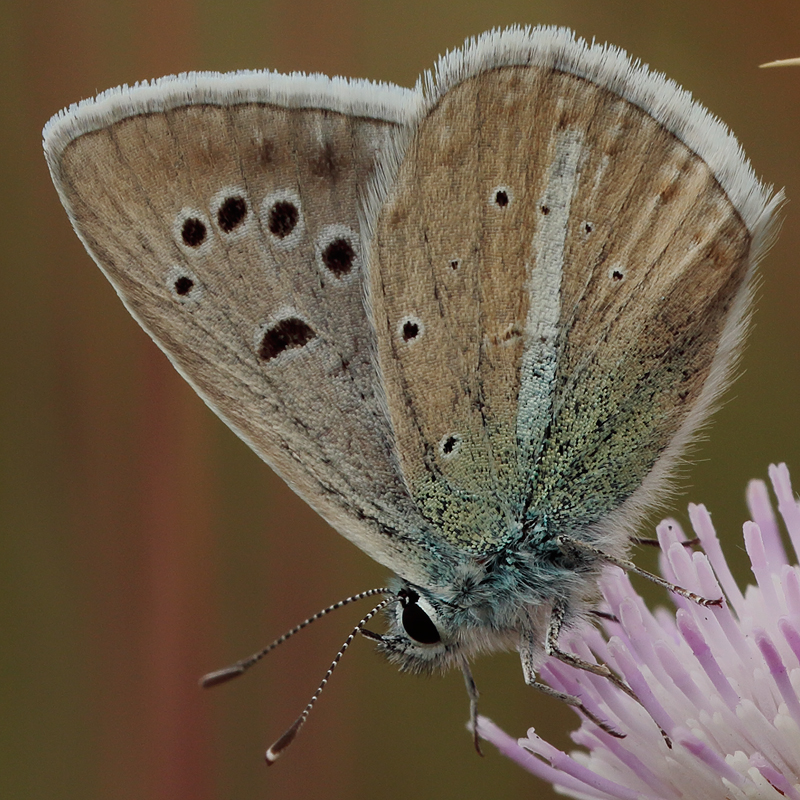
[501, 197]
[545, 210]
[285, 334]
[454, 264]
[282, 218]
[183, 285]
[231, 213]
[338, 257]
[193, 232]
[410, 329]
[588, 227]
[337, 251]
[616, 273]
[450, 445]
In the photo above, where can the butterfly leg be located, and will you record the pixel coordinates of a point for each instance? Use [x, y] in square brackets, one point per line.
[650, 542]
[472, 691]
[605, 615]
[529, 673]
[575, 545]
[552, 649]
[557, 616]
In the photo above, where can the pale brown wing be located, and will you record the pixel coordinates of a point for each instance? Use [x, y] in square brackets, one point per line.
[559, 278]
[224, 210]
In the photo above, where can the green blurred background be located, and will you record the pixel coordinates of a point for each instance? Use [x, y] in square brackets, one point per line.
[143, 544]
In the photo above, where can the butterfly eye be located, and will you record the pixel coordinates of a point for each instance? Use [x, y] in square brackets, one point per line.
[418, 625]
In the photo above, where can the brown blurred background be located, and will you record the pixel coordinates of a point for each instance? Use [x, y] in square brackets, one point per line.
[143, 544]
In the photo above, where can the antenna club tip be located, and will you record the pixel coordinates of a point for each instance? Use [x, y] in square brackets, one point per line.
[220, 676]
[276, 748]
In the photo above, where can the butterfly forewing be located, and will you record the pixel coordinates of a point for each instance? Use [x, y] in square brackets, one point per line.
[231, 232]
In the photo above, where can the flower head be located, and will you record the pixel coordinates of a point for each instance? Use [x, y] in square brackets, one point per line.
[719, 687]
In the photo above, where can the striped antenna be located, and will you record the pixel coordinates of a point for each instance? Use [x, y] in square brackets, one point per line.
[277, 749]
[240, 667]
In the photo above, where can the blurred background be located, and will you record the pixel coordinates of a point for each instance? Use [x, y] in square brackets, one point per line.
[143, 544]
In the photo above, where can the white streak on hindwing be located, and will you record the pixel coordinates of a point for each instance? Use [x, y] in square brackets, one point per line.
[545, 271]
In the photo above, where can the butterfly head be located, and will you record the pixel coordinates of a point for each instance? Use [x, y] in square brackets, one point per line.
[430, 633]
[421, 636]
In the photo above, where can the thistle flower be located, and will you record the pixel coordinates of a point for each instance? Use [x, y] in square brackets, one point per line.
[719, 688]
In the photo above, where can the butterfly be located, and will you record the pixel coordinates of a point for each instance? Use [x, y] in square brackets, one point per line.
[473, 324]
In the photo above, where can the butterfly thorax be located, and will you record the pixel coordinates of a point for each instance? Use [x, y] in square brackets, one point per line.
[497, 602]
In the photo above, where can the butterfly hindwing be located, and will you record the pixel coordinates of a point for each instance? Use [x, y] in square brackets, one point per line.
[565, 253]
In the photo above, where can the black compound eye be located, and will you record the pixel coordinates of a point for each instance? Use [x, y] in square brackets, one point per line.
[419, 626]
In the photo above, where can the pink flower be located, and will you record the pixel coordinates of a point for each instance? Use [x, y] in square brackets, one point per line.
[723, 683]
